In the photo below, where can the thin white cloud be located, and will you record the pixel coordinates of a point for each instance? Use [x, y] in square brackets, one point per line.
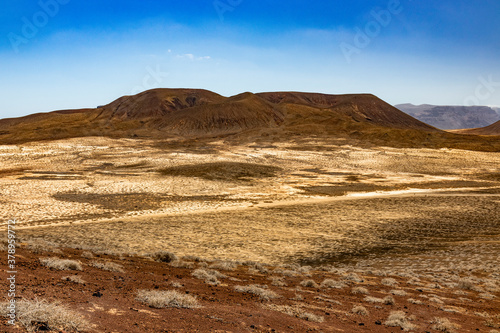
[192, 57]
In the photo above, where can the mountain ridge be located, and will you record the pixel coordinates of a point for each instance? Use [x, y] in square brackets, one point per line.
[197, 114]
[452, 117]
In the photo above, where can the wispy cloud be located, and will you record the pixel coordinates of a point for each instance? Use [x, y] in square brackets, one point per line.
[192, 57]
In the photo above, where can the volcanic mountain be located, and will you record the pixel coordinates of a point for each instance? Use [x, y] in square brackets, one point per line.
[189, 114]
[201, 113]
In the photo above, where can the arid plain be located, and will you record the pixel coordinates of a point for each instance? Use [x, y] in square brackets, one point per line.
[276, 204]
[319, 210]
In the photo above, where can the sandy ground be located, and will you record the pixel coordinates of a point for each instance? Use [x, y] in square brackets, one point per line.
[431, 214]
[276, 204]
[92, 179]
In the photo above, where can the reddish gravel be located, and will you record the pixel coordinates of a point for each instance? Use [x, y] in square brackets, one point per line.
[108, 299]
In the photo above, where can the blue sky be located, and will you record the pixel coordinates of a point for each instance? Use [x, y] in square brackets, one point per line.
[60, 54]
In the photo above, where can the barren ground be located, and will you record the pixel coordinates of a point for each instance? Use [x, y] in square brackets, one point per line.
[426, 216]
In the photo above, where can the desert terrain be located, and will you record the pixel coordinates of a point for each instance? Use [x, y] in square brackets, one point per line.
[294, 236]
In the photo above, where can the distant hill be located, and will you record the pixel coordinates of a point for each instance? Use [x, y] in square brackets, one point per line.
[196, 115]
[164, 113]
[493, 129]
[452, 117]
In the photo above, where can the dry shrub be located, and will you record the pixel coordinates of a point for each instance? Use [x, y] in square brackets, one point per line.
[415, 281]
[490, 322]
[398, 292]
[326, 299]
[264, 294]
[436, 299]
[482, 314]
[330, 283]
[210, 276]
[399, 319]
[224, 265]
[415, 301]
[434, 286]
[295, 311]
[277, 281]
[181, 264]
[305, 269]
[36, 315]
[453, 309]
[167, 299]
[310, 317]
[487, 296]
[352, 277]
[376, 272]
[163, 256]
[61, 264]
[254, 267]
[112, 252]
[371, 299]
[389, 300]
[444, 325]
[360, 310]
[73, 278]
[468, 284]
[491, 286]
[87, 254]
[389, 282]
[194, 258]
[108, 266]
[360, 290]
[40, 245]
[309, 284]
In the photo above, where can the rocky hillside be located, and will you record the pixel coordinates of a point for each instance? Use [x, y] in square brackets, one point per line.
[193, 114]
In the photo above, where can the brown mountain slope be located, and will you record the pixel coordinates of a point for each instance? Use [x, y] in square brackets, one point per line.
[279, 116]
[233, 115]
[493, 129]
[360, 107]
[158, 103]
[48, 126]
[158, 113]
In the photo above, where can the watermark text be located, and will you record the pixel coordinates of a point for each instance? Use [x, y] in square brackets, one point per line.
[11, 272]
[484, 91]
[31, 26]
[223, 6]
[372, 29]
